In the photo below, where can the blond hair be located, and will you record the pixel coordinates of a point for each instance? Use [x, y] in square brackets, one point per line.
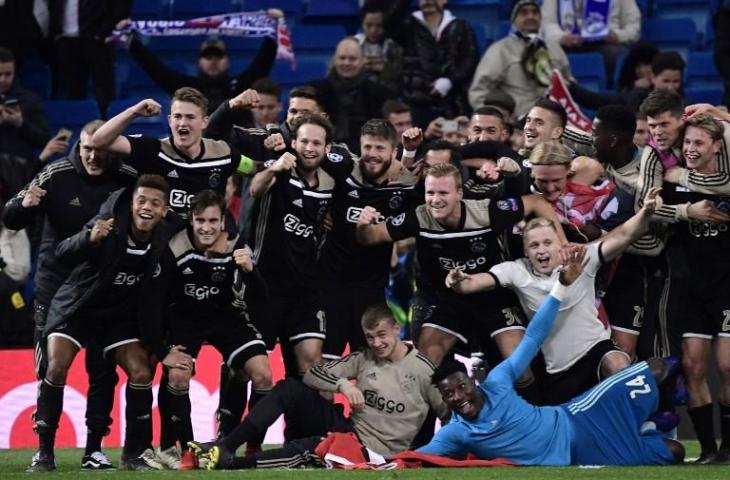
[708, 124]
[538, 222]
[551, 153]
[191, 95]
[444, 170]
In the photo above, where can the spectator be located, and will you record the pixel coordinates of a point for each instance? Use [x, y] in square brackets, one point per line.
[566, 23]
[519, 64]
[16, 326]
[399, 115]
[636, 69]
[213, 79]
[641, 135]
[23, 127]
[347, 95]
[80, 29]
[721, 48]
[269, 107]
[383, 57]
[503, 102]
[439, 56]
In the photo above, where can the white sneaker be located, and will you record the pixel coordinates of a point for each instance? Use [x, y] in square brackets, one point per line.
[169, 458]
[150, 458]
[96, 461]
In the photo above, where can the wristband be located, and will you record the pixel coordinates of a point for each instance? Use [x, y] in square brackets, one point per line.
[409, 153]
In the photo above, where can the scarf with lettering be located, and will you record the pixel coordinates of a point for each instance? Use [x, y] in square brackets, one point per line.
[595, 22]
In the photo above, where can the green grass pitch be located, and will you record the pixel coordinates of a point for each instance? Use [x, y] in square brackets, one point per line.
[13, 463]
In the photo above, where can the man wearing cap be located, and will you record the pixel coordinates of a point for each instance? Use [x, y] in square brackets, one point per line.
[214, 79]
[519, 64]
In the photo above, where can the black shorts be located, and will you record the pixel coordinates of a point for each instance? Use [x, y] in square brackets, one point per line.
[289, 319]
[562, 386]
[626, 299]
[108, 333]
[232, 335]
[343, 307]
[707, 313]
[488, 314]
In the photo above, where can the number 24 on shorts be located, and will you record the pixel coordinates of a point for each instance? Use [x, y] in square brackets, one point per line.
[642, 387]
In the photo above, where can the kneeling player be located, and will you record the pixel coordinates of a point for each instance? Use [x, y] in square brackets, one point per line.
[98, 300]
[201, 286]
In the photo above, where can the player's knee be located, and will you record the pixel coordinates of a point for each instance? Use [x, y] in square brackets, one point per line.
[57, 371]
[261, 378]
[676, 448]
[659, 369]
[693, 367]
[178, 378]
[139, 373]
[723, 366]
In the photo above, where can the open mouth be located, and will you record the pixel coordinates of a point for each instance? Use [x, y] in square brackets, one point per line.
[183, 132]
[145, 216]
[466, 408]
[543, 261]
[531, 136]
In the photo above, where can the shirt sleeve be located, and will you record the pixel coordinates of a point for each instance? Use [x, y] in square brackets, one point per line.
[505, 212]
[143, 152]
[504, 273]
[446, 442]
[404, 225]
[330, 376]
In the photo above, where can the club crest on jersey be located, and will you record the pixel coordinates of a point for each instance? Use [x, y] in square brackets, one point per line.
[335, 157]
[214, 180]
[269, 163]
[398, 219]
[219, 274]
[507, 204]
[477, 247]
[395, 202]
[158, 270]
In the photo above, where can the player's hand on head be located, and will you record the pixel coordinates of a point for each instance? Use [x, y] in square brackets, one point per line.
[412, 138]
[147, 108]
[691, 111]
[243, 258]
[368, 216]
[275, 142]
[573, 257]
[508, 167]
[33, 196]
[101, 230]
[249, 98]
[286, 162]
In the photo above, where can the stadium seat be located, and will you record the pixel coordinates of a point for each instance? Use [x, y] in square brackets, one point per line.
[305, 71]
[140, 85]
[152, 126]
[589, 70]
[701, 72]
[149, 9]
[695, 10]
[700, 95]
[678, 34]
[71, 114]
[316, 42]
[708, 38]
[184, 9]
[503, 29]
[485, 12]
[36, 77]
[332, 8]
[290, 7]
[481, 35]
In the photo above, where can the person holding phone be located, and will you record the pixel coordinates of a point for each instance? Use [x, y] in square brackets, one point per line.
[23, 126]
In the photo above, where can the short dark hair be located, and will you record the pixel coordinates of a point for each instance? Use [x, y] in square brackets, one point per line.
[659, 101]
[191, 95]
[555, 108]
[149, 180]
[379, 128]
[314, 119]
[667, 61]
[207, 198]
[6, 55]
[441, 144]
[267, 86]
[489, 111]
[394, 106]
[304, 91]
[374, 314]
[640, 115]
[618, 118]
[371, 7]
[447, 368]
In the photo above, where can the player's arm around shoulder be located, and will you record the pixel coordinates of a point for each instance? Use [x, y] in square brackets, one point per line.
[370, 230]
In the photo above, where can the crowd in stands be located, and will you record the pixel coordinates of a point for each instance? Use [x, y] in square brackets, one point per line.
[358, 203]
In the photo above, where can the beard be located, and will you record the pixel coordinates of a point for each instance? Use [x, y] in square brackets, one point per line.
[370, 175]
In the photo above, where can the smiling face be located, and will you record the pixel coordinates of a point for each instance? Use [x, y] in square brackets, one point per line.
[383, 339]
[699, 150]
[311, 146]
[461, 395]
[300, 106]
[443, 198]
[541, 125]
[527, 19]
[187, 122]
[207, 227]
[376, 157]
[665, 129]
[148, 208]
[551, 180]
[542, 249]
[348, 61]
[486, 127]
[95, 161]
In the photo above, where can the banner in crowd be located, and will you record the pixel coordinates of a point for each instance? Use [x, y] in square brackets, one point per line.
[242, 24]
[559, 92]
[18, 392]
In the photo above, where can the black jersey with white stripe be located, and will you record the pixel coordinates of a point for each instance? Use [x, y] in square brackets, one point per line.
[203, 284]
[343, 258]
[287, 230]
[473, 246]
[186, 176]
